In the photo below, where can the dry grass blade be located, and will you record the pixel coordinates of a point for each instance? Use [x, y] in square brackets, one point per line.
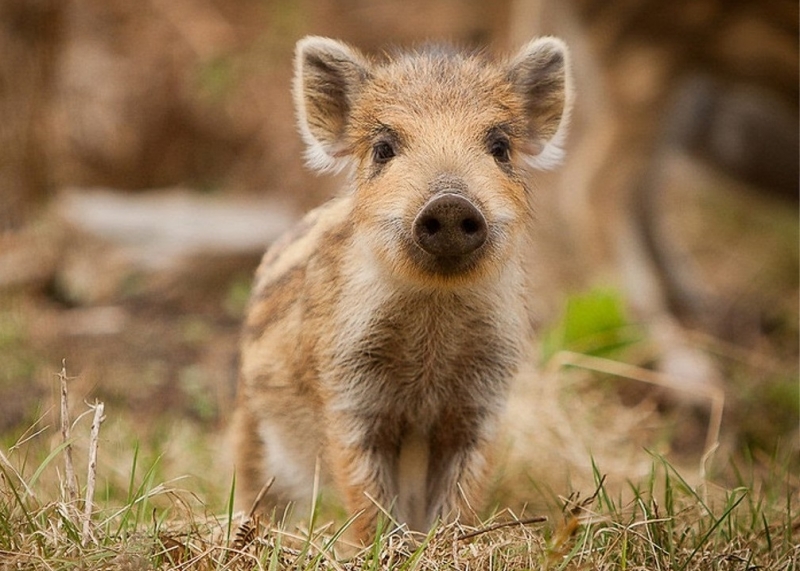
[5, 461]
[260, 496]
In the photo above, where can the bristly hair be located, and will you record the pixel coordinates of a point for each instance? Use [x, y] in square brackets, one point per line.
[433, 50]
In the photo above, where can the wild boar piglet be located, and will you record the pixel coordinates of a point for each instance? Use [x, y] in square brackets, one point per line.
[383, 331]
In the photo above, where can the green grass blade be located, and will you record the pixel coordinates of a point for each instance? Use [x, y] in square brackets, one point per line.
[231, 496]
[32, 529]
[56, 451]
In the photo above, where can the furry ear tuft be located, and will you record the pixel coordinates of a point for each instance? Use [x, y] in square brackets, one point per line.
[540, 73]
[328, 76]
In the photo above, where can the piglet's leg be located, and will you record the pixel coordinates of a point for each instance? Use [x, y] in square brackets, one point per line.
[458, 471]
[362, 465]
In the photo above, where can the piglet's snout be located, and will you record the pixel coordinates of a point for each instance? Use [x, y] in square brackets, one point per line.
[449, 226]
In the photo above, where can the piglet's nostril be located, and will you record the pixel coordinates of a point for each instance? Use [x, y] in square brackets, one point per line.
[431, 225]
[471, 225]
[450, 226]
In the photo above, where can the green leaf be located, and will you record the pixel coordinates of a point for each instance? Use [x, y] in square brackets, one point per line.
[593, 323]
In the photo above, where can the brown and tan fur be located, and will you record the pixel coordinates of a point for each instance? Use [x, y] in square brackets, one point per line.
[361, 348]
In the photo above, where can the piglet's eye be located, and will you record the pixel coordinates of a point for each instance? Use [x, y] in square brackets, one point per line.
[382, 152]
[500, 149]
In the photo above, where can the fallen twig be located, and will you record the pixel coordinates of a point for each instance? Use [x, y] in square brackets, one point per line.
[71, 482]
[496, 526]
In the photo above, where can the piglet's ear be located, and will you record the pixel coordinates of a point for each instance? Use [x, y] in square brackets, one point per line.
[328, 76]
[540, 73]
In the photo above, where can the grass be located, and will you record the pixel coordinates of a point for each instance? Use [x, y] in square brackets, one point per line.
[658, 522]
[744, 515]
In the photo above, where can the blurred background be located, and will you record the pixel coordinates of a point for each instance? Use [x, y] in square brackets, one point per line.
[148, 154]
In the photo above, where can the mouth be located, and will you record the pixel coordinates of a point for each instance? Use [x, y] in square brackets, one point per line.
[449, 266]
[426, 265]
